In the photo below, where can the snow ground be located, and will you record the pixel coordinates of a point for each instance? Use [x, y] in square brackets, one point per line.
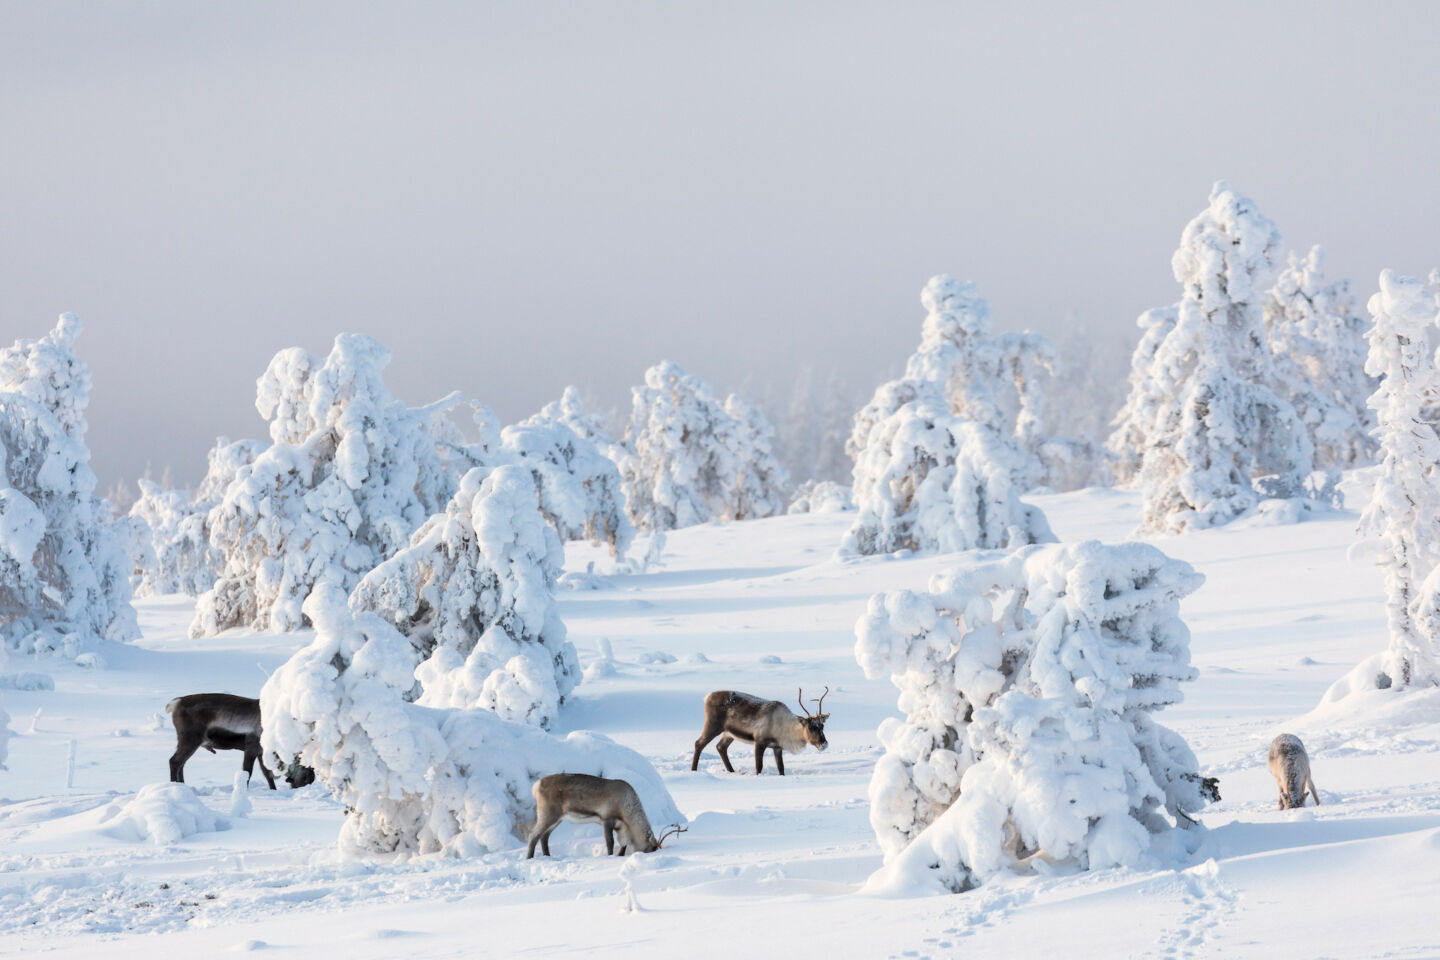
[769, 865]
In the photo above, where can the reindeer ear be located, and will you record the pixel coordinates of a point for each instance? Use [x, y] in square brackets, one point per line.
[823, 717]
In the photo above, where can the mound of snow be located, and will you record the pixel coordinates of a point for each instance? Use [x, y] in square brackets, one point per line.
[163, 813]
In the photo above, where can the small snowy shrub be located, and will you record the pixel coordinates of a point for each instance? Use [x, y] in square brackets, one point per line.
[690, 461]
[413, 779]
[1318, 349]
[1402, 521]
[1027, 685]
[474, 592]
[1215, 435]
[349, 475]
[163, 813]
[65, 566]
[821, 496]
[928, 480]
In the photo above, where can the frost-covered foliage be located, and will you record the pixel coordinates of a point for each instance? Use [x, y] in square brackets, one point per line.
[931, 481]
[349, 475]
[1402, 521]
[762, 486]
[821, 496]
[943, 453]
[1133, 424]
[64, 564]
[579, 485]
[1209, 424]
[181, 559]
[1318, 348]
[690, 461]
[416, 779]
[812, 425]
[474, 593]
[1028, 684]
[570, 410]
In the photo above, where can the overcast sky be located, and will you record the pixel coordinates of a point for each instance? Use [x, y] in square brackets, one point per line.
[515, 197]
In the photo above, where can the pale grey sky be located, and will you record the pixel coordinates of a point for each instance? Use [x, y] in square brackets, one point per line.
[519, 196]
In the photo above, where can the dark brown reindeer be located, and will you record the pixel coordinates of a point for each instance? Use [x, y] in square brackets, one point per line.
[768, 724]
[222, 721]
[581, 798]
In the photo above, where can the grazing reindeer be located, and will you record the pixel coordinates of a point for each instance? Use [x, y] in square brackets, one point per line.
[581, 798]
[1290, 766]
[768, 724]
[221, 721]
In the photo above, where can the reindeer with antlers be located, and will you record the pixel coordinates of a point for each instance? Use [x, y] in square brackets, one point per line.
[768, 724]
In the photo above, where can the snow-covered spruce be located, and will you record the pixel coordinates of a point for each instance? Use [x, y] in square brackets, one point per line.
[349, 475]
[181, 558]
[1211, 427]
[473, 592]
[929, 481]
[1136, 419]
[1027, 682]
[65, 566]
[415, 779]
[812, 429]
[689, 461]
[579, 485]
[1402, 522]
[762, 486]
[1318, 349]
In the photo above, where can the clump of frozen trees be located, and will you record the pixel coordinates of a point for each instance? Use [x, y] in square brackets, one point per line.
[473, 592]
[64, 564]
[1402, 522]
[414, 779]
[181, 558]
[1317, 344]
[692, 459]
[943, 453]
[1028, 685]
[1213, 433]
[821, 496]
[349, 475]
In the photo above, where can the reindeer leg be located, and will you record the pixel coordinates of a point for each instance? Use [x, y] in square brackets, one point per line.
[252, 754]
[760, 748]
[609, 837]
[711, 731]
[544, 823]
[779, 763]
[724, 748]
[1311, 784]
[185, 747]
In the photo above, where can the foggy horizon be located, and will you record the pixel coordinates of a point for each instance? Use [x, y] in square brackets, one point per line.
[519, 197]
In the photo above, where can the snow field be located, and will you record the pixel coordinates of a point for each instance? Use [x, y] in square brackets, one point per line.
[771, 862]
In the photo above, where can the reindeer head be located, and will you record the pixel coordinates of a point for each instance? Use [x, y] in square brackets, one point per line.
[814, 723]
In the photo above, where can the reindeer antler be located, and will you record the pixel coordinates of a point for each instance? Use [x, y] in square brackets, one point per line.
[800, 697]
[820, 704]
[673, 830]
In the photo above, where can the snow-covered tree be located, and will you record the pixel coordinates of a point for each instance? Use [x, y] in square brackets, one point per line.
[1318, 348]
[689, 459]
[1210, 423]
[580, 489]
[4, 717]
[930, 481]
[812, 426]
[1028, 685]
[64, 564]
[570, 410]
[349, 475]
[474, 593]
[943, 453]
[821, 496]
[412, 779]
[762, 485]
[1136, 419]
[1403, 519]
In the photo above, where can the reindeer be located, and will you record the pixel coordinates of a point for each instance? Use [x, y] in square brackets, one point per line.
[221, 721]
[768, 724]
[581, 798]
[1289, 764]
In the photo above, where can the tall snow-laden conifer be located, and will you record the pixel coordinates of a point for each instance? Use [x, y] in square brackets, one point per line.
[65, 566]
